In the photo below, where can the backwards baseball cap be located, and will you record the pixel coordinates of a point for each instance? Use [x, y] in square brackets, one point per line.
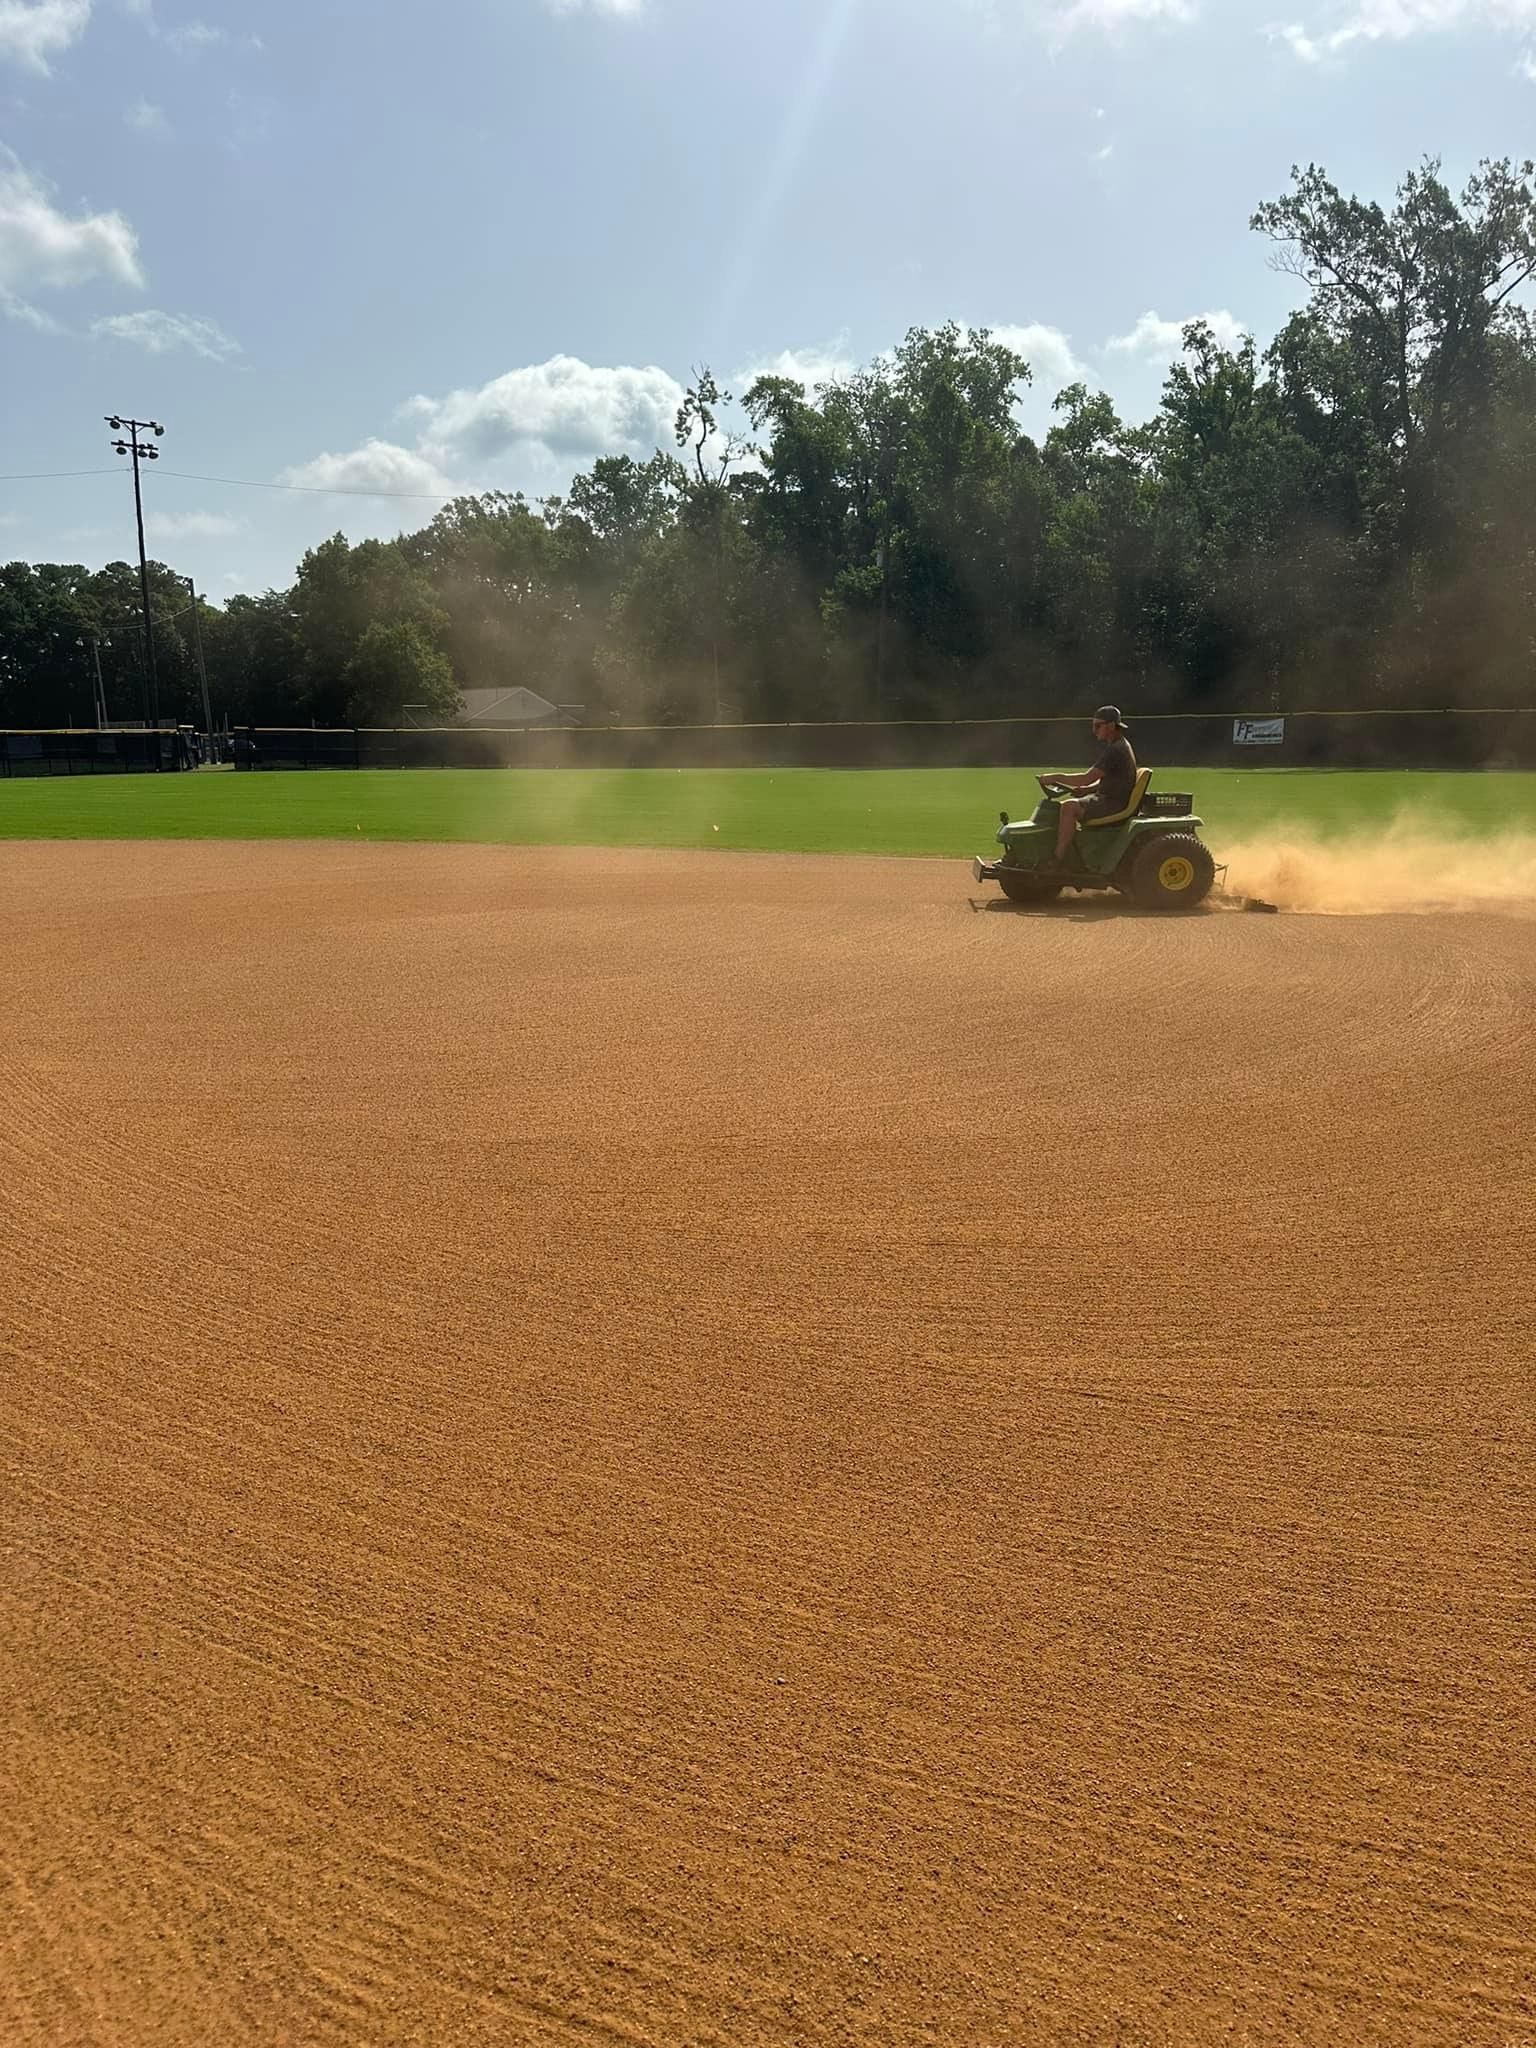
[1109, 714]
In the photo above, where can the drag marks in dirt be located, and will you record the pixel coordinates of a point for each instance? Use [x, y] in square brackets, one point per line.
[577, 1470]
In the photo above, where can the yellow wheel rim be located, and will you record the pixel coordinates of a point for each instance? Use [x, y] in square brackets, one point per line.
[1175, 874]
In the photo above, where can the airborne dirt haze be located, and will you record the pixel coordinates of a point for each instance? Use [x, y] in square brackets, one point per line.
[1408, 866]
[679, 1450]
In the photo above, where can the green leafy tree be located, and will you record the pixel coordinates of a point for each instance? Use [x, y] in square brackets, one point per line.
[342, 591]
[705, 512]
[1415, 294]
[254, 653]
[624, 503]
[496, 571]
[395, 668]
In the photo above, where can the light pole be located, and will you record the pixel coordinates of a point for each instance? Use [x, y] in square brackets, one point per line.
[142, 451]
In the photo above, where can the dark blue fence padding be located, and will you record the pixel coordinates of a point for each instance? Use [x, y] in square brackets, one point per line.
[299, 747]
[1408, 739]
[84, 753]
[1312, 739]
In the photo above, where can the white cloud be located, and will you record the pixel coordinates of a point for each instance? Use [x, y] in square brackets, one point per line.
[32, 31]
[620, 10]
[1394, 21]
[40, 246]
[191, 526]
[1526, 67]
[1158, 340]
[1109, 15]
[1102, 156]
[1297, 41]
[548, 417]
[160, 334]
[27, 315]
[807, 366]
[1047, 351]
[144, 118]
[193, 36]
[565, 405]
[379, 467]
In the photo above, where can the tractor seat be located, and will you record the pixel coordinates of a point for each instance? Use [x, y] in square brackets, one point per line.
[1138, 791]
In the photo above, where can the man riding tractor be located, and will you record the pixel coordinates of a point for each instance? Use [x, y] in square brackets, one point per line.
[1146, 845]
[1104, 790]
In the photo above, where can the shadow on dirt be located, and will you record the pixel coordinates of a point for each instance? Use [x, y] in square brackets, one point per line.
[1088, 910]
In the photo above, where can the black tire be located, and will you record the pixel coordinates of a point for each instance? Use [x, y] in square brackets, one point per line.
[1023, 887]
[1171, 871]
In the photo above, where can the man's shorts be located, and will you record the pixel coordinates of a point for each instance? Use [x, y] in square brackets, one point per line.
[1097, 805]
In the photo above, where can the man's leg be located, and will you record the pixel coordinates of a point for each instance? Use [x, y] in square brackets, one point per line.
[1066, 825]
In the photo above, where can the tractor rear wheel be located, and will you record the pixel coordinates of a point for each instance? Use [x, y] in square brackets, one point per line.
[1023, 887]
[1172, 871]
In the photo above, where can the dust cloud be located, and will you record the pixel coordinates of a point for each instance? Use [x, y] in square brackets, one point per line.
[1412, 867]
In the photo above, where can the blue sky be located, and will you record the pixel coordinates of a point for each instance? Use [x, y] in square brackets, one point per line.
[390, 246]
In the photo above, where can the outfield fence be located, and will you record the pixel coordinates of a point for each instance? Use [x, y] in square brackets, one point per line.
[1307, 739]
[89, 753]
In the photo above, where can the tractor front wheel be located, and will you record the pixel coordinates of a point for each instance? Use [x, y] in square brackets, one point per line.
[1023, 887]
[1173, 871]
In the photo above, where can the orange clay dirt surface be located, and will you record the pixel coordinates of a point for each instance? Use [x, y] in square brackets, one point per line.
[655, 1448]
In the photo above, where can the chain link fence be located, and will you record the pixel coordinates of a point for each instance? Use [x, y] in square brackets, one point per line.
[1469, 739]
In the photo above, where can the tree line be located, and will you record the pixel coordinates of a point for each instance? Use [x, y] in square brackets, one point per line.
[1345, 519]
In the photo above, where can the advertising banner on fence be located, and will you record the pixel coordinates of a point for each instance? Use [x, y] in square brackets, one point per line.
[1258, 732]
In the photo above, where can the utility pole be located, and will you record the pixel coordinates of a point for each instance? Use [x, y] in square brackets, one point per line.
[144, 451]
[202, 666]
[884, 559]
[98, 693]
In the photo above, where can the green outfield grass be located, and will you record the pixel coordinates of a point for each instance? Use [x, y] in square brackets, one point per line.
[805, 810]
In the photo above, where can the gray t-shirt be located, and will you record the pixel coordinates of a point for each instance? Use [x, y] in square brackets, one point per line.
[1116, 770]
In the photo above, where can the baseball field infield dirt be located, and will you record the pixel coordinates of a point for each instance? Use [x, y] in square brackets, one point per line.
[667, 1449]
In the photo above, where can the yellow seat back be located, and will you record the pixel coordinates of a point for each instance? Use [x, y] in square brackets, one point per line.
[1138, 791]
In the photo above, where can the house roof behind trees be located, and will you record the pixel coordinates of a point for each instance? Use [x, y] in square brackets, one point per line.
[516, 706]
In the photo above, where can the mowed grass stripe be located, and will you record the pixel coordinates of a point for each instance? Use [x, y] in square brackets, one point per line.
[943, 811]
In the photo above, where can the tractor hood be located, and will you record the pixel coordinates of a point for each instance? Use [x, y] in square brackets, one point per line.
[1043, 816]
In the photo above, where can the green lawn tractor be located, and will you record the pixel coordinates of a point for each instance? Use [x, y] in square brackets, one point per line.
[1151, 852]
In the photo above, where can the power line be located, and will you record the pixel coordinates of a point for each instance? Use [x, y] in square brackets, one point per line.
[244, 483]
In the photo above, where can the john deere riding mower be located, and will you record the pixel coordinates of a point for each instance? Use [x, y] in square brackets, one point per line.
[1151, 851]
